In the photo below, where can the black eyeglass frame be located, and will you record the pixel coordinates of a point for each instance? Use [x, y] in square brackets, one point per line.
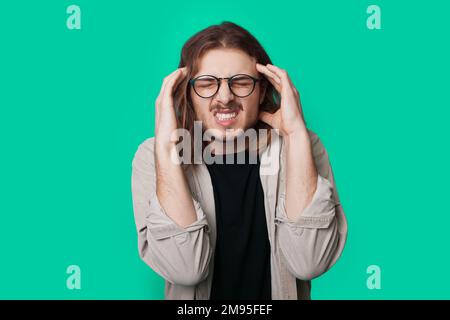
[219, 81]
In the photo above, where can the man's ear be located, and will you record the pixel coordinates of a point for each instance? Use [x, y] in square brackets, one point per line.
[262, 94]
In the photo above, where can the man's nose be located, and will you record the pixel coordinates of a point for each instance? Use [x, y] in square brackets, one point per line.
[224, 95]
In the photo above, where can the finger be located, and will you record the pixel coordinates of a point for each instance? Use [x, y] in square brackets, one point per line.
[286, 80]
[160, 99]
[263, 69]
[161, 91]
[282, 74]
[170, 82]
[157, 108]
[267, 73]
[273, 79]
[274, 83]
[297, 95]
[168, 78]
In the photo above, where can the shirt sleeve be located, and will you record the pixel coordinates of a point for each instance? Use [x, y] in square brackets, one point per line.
[312, 242]
[180, 255]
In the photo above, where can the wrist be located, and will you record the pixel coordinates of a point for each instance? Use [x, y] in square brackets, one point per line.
[301, 132]
[163, 148]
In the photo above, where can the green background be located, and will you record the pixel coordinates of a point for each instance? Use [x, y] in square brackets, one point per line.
[75, 104]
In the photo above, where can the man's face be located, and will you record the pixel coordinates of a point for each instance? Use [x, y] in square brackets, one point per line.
[224, 111]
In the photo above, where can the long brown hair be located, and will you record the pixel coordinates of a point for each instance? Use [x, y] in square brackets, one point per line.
[224, 35]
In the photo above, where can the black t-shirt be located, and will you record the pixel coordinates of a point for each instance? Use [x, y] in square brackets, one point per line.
[242, 253]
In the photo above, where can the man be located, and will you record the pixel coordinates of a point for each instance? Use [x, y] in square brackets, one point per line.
[225, 230]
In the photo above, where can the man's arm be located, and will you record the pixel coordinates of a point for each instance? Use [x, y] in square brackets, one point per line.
[171, 186]
[173, 236]
[311, 223]
[173, 190]
[179, 255]
[301, 172]
[313, 238]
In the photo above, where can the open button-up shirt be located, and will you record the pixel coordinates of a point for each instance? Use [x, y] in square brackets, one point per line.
[302, 248]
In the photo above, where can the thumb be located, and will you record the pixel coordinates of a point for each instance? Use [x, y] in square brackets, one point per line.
[268, 118]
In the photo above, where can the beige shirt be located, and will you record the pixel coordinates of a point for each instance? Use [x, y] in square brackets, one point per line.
[301, 249]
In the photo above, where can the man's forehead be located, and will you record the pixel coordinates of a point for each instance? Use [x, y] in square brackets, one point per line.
[226, 62]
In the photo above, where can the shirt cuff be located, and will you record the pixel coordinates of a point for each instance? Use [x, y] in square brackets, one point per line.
[319, 213]
[161, 226]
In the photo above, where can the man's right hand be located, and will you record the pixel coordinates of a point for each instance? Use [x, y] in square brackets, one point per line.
[166, 122]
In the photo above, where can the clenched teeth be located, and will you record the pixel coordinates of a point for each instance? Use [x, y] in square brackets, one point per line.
[225, 116]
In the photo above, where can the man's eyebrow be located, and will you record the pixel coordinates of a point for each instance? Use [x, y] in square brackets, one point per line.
[234, 74]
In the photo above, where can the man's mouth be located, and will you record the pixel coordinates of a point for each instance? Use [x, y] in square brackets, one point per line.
[226, 117]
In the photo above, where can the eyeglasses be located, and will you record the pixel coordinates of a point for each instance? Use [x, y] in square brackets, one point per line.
[241, 85]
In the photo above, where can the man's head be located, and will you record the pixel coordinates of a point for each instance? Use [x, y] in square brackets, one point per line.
[231, 103]
[217, 52]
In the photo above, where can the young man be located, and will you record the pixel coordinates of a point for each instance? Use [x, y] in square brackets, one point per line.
[226, 230]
